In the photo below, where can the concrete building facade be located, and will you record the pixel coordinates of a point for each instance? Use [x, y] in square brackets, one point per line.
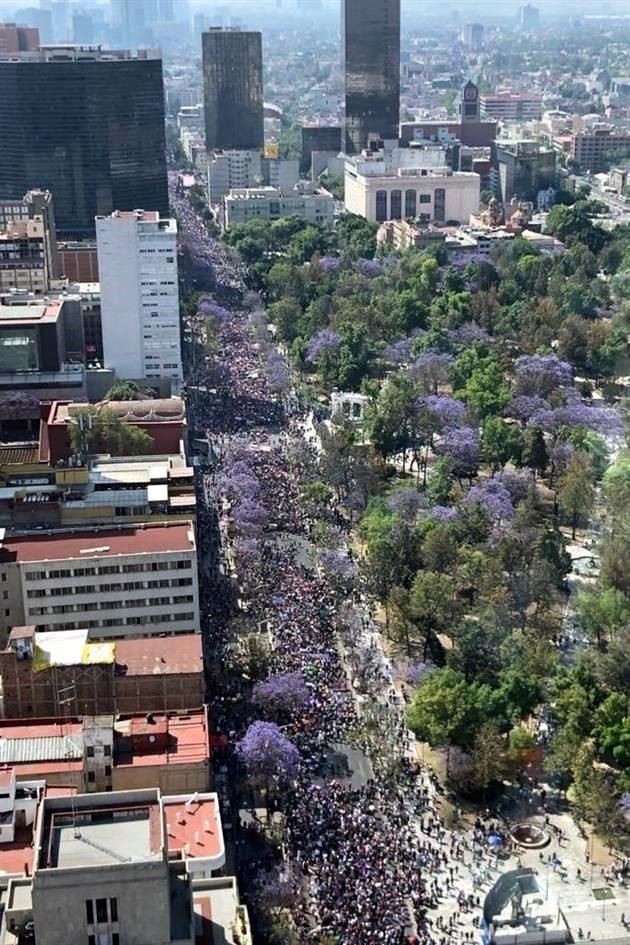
[380, 189]
[140, 319]
[121, 582]
[269, 203]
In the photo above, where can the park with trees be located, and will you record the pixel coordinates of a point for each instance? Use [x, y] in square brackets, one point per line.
[493, 440]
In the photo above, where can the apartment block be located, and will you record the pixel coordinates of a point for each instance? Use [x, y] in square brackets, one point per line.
[594, 149]
[137, 261]
[114, 582]
[511, 106]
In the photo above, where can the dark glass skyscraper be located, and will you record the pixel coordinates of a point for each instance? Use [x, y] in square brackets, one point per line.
[371, 54]
[89, 127]
[233, 90]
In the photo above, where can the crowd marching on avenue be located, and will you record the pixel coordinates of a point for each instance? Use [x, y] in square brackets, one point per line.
[364, 863]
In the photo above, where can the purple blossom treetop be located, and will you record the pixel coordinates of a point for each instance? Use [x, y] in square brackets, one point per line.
[468, 333]
[442, 513]
[211, 309]
[447, 412]
[278, 374]
[406, 503]
[330, 264]
[237, 486]
[462, 448]
[602, 420]
[267, 754]
[285, 694]
[524, 408]
[250, 518]
[560, 455]
[338, 565]
[540, 374]
[517, 483]
[324, 340]
[399, 352]
[494, 499]
[431, 368]
[369, 267]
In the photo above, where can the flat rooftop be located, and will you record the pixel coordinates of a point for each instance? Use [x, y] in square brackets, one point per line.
[154, 656]
[101, 543]
[101, 836]
[28, 315]
[181, 740]
[194, 826]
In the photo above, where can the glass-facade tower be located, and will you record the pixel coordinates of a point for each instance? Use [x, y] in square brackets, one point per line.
[90, 130]
[371, 58]
[233, 90]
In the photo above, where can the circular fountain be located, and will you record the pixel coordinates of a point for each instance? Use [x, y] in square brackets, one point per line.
[529, 836]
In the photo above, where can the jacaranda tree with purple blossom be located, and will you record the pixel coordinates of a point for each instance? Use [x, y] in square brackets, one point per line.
[324, 341]
[493, 498]
[282, 696]
[268, 755]
[540, 375]
[431, 370]
[461, 446]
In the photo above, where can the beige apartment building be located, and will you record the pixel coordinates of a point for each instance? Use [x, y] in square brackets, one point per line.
[138, 580]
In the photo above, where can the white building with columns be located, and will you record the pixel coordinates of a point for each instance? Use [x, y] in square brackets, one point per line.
[404, 184]
[137, 261]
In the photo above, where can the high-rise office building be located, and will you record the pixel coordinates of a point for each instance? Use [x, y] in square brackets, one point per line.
[88, 125]
[233, 90]
[137, 263]
[371, 54]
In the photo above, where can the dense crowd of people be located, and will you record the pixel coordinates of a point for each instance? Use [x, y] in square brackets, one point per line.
[372, 859]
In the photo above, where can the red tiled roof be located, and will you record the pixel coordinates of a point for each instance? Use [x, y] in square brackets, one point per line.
[100, 543]
[158, 656]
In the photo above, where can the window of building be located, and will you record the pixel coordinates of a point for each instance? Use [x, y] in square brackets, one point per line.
[108, 771]
[396, 205]
[439, 206]
[101, 910]
[91, 780]
[381, 206]
[425, 198]
[89, 911]
[90, 751]
[410, 203]
[107, 750]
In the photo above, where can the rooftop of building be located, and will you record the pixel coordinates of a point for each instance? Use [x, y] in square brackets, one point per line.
[66, 52]
[510, 95]
[164, 224]
[155, 656]
[146, 539]
[179, 739]
[25, 316]
[150, 656]
[193, 826]
[101, 830]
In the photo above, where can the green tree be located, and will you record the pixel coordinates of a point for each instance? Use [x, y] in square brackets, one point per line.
[441, 482]
[488, 758]
[501, 443]
[392, 422]
[447, 710]
[95, 430]
[485, 391]
[576, 493]
[535, 453]
[435, 605]
[603, 613]
[127, 390]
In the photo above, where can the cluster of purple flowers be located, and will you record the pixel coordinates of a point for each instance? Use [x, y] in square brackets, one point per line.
[324, 340]
[406, 503]
[461, 446]
[541, 374]
[494, 498]
[267, 754]
[446, 412]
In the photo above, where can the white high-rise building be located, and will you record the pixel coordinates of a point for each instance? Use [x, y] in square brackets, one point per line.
[137, 261]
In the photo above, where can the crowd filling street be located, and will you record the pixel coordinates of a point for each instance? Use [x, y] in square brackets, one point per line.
[367, 863]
